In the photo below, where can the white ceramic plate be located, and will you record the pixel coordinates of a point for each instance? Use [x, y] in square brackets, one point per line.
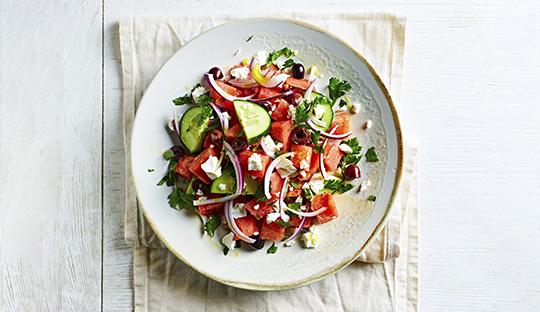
[342, 239]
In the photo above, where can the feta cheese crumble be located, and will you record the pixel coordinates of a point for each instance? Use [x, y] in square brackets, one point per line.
[304, 164]
[355, 108]
[270, 146]
[291, 112]
[318, 111]
[228, 240]
[212, 167]
[222, 186]
[197, 93]
[261, 57]
[285, 168]
[199, 192]
[254, 162]
[364, 185]
[368, 124]
[310, 238]
[316, 184]
[240, 72]
[345, 148]
[272, 217]
[289, 243]
[256, 207]
[239, 211]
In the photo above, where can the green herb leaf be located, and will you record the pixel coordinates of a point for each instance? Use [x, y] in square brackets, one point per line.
[249, 39]
[272, 249]
[212, 224]
[371, 155]
[204, 100]
[181, 200]
[288, 63]
[294, 206]
[213, 125]
[168, 155]
[295, 184]
[283, 224]
[372, 197]
[204, 116]
[353, 157]
[150, 170]
[259, 193]
[225, 250]
[308, 193]
[337, 186]
[337, 88]
[272, 57]
[184, 100]
[239, 134]
[342, 103]
[315, 135]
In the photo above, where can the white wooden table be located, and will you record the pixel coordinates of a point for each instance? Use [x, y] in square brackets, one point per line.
[471, 95]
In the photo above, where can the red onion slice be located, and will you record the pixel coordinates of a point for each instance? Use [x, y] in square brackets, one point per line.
[175, 126]
[269, 171]
[329, 135]
[307, 214]
[297, 231]
[281, 203]
[210, 79]
[321, 160]
[232, 224]
[307, 94]
[224, 121]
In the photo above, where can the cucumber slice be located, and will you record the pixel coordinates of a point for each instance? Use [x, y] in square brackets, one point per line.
[192, 126]
[315, 95]
[254, 119]
[327, 116]
[189, 189]
[228, 179]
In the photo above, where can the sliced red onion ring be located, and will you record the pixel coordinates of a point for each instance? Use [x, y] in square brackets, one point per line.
[321, 160]
[175, 126]
[328, 135]
[224, 121]
[210, 79]
[307, 214]
[266, 151]
[239, 180]
[307, 94]
[275, 97]
[269, 171]
[232, 224]
[281, 203]
[297, 231]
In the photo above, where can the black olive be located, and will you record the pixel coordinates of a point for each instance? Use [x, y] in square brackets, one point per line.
[352, 172]
[258, 244]
[295, 99]
[300, 135]
[239, 144]
[199, 185]
[298, 71]
[216, 72]
[177, 150]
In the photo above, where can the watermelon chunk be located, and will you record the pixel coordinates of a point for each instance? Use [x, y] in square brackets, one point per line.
[296, 221]
[332, 156]
[210, 209]
[232, 133]
[258, 209]
[343, 122]
[196, 164]
[212, 133]
[281, 131]
[182, 168]
[272, 231]
[325, 200]
[280, 113]
[247, 225]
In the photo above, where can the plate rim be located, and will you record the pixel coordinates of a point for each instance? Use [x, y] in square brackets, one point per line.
[393, 194]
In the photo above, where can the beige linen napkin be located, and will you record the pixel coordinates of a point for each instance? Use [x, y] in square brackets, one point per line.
[147, 43]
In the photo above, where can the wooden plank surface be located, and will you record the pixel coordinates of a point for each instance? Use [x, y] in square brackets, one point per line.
[50, 155]
[470, 94]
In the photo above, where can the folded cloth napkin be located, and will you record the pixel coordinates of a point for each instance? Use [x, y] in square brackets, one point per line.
[162, 282]
[147, 43]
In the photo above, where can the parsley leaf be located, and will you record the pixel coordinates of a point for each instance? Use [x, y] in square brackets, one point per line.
[168, 155]
[182, 100]
[295, 206]
[181, 200]
[342, 103]
[272, 249]
[212, 126]
[205, 99]
[372, 197]
[371, 156]
[337, 186]
[283, 224]
[295, 184]
[288, 63]
[337, 88]
[150, 170]
[225, 250]
[302, 111]
[315, 135]
[272, 57]
[250, 37]
[239, 134]
[212, 224]
[353, 157]
[308, 193]
[203, 117]
[259, 193]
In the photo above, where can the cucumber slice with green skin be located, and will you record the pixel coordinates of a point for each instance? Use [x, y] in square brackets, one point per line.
[327, 116]
[192, 128]
[315, 95]
[228, 179]
[254, 119]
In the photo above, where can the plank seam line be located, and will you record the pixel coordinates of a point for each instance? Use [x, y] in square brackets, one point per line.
[102, 144]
